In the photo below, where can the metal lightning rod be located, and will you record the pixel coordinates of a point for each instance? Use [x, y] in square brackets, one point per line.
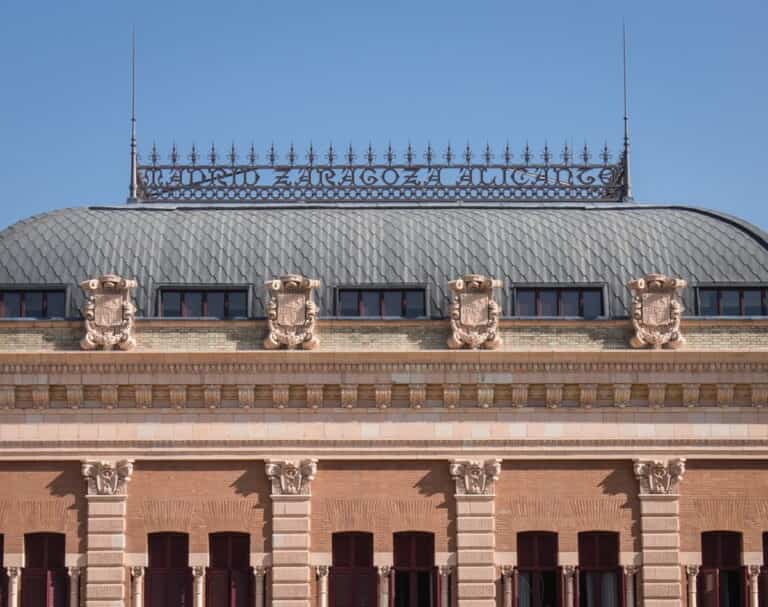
[133, 188]
[627, 174]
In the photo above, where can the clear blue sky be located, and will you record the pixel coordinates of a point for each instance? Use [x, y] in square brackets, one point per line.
[354, 71]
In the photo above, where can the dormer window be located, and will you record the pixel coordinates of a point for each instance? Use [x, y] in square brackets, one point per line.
[204, 303]
[33, 303]
[382, 303]
[583, 302]
[733, 301]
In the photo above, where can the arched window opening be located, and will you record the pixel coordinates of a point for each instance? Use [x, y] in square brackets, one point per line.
[722, 580]
[44, 579]
[538, 574]
[229, 577]
[352, 580]
[763, 579]
[168, 578]
[415, 575]
[601, 583]
[3, 575]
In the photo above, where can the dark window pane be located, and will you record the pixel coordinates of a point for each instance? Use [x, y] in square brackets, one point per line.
[393, 303]
[708, 302]
[348, 303]
[753, 302]
[415, 305]
[171, 303]
[370, 303]
[55, 307]
[526, 302]
[547, 302]
[11, 307]
[33, 304]
[192, 305]
[215, 304]
[238, 304]
[593, 303]
[569, 302]
[729, 302]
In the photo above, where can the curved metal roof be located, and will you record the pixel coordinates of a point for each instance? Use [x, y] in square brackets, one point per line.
[363, 245]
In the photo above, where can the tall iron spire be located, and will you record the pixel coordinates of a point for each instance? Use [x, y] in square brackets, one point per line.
[627, 174]
[133, 188]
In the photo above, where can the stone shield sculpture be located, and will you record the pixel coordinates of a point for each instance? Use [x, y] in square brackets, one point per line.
[474, 313]
[656, 311]
[109, 313]
[291, 313]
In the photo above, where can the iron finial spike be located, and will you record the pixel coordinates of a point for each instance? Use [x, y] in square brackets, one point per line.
[409, 154]
[487, 154]
[507, 154]
[448, 154]
[331, 154]
[625, 155]
[429, 154]
[175, 153]
[527, 153]
[212, 153]
[133, 188]
[350, 155]
[585, 155]
[370, 156]
[545, 155]
[311, 154]
[390, 154]
[153, 155]
[192, 155]
[292, 155]
[468, 154]
[233, 154]
[252, 154]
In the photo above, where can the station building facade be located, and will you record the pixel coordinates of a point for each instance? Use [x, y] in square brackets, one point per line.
[369, 403]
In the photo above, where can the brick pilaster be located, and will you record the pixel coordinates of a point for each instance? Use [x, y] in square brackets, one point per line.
[660, 531]
[105, 553]
[475, 525]
[291, 509]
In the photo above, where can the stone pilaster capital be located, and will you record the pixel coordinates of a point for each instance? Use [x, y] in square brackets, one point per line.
[74, 572]
[692, 570]
[322, 571]
[198, 571]
[630, 570]
[13, 572]
[475, 477]
[754, 572]
[445, 570]
[507, 571]
[384, 571]
[260, 571]
[137, 572]
[291, 477]
[107, 477]
[569, 570]
[659, 477]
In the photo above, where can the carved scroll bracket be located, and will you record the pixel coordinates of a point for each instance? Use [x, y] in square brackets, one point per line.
[656, 311]
[109, 313]
[474, 313]
[290, 477]
[475, 478]
[107, 478]
[291, 313]
[657, 477]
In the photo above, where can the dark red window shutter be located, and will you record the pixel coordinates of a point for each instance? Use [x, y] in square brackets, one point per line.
[708, 592]
[598, 550]
[537, 550]
[721, 549]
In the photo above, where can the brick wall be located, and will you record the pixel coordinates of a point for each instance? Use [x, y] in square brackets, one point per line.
[390, 336]
[383, 498]
[198, 498]
[567, 497]
[42, 496]
[724, 496]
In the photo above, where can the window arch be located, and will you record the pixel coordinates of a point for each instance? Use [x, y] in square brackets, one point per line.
[601, 583]
[722, 581]
[168, 578]
[228, 580]
[44, 579]
[352, 580]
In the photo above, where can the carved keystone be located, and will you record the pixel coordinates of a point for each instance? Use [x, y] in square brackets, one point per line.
[291, 313]
[656, 311]
[474, 313]
[108, 313]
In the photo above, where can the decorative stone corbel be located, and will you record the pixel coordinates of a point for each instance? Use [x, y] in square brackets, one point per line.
[107, 478]
[475, 478]
[656, 311]
[291, 313]
[290, 477]
[474, 313]
[109, 313]
[658, 477]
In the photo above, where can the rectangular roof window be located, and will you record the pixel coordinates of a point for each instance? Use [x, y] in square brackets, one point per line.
[382, 303]
[584, 302]
[33, 303]
[733, 301]
[204, 303]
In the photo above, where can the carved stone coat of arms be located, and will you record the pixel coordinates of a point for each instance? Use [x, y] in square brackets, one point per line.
[656, 311]
[474, 313]
[109, 313]
[291, 313]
